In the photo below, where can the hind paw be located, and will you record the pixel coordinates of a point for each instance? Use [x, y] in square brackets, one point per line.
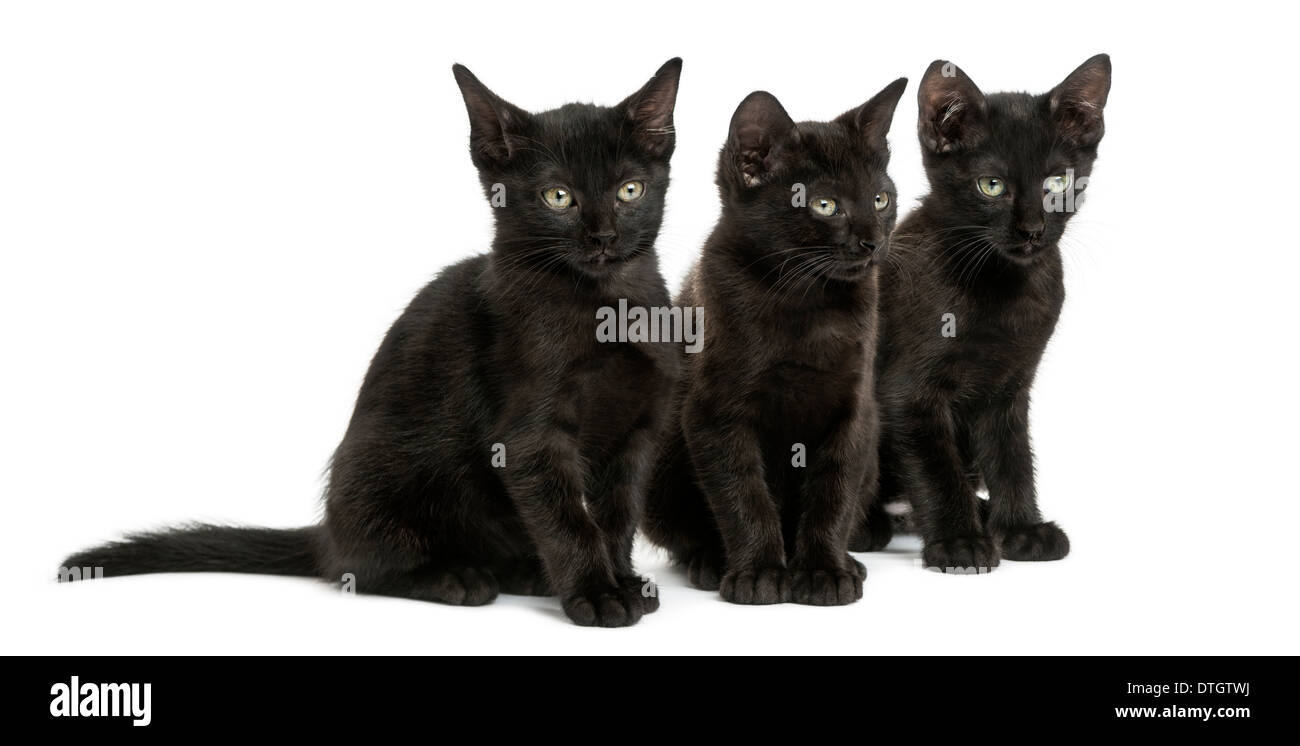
[704, 570]
[524, 577]
[464, 586]
[1037, 542]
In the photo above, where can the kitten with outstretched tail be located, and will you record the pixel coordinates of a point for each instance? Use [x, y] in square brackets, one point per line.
[497, 446]
[758, 488]
[972, 293]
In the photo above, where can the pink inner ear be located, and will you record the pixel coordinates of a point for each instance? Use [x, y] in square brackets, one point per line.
[751, 166]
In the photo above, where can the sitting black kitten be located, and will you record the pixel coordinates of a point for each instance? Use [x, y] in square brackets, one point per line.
[758, 488]
[971, 297]
[496, 445]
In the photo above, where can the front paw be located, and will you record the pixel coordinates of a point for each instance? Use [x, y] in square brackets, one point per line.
[973, 554]
[833, 586]
[1036, 542]
[607, 606]
[641, 589]
[763, 585]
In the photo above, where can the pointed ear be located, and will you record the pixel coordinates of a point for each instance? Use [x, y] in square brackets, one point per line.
[492, 119]
[650, 110]
[954, 114]
[760, 129]
[1078, 101]
[873, 118]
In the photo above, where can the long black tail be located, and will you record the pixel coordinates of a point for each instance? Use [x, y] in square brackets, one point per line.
[202, 548]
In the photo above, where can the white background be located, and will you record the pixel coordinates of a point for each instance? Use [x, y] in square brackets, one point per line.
[211, 212]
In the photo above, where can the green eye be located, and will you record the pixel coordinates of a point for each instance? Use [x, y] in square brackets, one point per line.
[1057, 184]
[992, 186]
[631, 191]
[558, 198]
[882, 201]
[823, 206]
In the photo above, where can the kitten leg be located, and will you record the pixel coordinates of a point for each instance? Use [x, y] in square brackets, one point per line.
[545, 481]
[1007, 461]
[947, 507]
[615, 491]
[729, 466]
[822, 572]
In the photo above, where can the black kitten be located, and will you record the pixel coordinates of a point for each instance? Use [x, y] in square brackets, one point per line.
[757, 490]
[496, 445]
[972, 294]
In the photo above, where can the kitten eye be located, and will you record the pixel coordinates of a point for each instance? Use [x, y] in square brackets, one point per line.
[631, 191]
[882, 201]
[558, 198]
[992, 186]
[823, 206]
[1057, 184]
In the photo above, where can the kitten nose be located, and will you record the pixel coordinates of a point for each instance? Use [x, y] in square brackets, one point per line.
[867, 246]
[604, 239]
[1030, 230]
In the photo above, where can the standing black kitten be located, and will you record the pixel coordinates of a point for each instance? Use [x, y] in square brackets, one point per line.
[972, 295]
[496, 445]
[757, 490]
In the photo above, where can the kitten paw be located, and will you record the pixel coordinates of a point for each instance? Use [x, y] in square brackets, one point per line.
[704, 570]
[464, 586]
[767, 585]
[641, 590]
[961, 555]
[836, 586]
[1038, 542]
[617, 606]
[524, 577]
[872, 536]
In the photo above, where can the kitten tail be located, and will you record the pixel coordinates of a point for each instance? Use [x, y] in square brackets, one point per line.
[204, 548]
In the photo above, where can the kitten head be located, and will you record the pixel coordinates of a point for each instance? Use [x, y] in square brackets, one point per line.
[1012, 164]
[814, 193]
[579, 187]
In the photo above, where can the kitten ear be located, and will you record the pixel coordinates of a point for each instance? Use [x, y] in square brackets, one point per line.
[873, 118]
[1078, 101]
[491, 119]
[759, 128]
[954, 114]
[650, 110]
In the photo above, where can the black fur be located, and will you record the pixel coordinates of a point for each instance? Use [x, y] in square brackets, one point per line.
[789, 300]
[500, 348]
[955, 410]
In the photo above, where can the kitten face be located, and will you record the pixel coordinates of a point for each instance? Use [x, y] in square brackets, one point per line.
[1012, 164]
[814, 195]
[583, 185]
